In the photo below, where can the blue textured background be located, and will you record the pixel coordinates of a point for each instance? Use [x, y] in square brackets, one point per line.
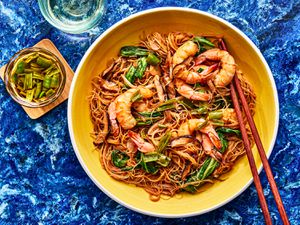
[41, 180]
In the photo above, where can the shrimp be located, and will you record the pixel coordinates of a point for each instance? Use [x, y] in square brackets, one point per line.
[208, 148]
[188, 128]
[155, 70]
[212, 134]
[142, 145]
[142, 106]
[193, 77]
[228, 67]
[187, 91]
[123, 106]
[229, 116]
[112, 117]
[189, 48]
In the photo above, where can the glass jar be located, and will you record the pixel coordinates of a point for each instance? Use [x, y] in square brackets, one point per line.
[15, 79]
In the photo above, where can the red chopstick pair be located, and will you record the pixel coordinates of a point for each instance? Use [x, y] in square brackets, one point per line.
[235, 85]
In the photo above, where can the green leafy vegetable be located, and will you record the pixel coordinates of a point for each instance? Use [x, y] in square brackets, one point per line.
[149, 167]
[119, 159]
[205, 170]
[226, 130]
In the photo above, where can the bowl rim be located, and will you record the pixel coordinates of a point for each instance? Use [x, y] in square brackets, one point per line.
[116, 25]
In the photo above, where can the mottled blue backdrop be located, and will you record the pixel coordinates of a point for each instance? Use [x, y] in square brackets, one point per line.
[41, 181]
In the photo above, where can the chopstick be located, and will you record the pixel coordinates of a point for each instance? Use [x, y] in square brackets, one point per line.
[262, 153]
[257, 183]
[260, 148]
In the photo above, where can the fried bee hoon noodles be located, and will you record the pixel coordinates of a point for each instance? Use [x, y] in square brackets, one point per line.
[162, 113]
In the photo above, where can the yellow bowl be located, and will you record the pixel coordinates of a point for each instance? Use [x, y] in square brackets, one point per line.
[128, 31]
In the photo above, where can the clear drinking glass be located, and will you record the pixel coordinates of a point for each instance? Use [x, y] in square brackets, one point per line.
[73, 16]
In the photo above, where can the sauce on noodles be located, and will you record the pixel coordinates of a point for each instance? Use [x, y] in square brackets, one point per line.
[162, 113]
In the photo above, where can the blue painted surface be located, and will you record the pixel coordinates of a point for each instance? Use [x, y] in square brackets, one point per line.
[41, 180]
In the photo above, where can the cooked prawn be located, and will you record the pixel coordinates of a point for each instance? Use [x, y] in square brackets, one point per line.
[112, 117]
[192, 76]
[187, 91]
[209, 149]
[187, 129]
[228, 67]
[141, 106]
[229, 116]
[123, 106]
[142, 145]
[189, 48]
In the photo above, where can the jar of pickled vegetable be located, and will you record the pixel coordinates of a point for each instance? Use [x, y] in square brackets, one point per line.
[34, 77]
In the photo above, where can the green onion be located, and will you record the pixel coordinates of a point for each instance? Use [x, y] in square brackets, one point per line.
[203, 41]
[136, 96]
[200, 70]
[47, 82]
[187, 103]
[150, 114]
[28, 81]
[215, 115]
[202, 110]
[38, 76]
[218, 123]
[160, 159]
[38, 90]
[43, 62]
[50, 92]
[152, 59]
[163, 143]
[29, 94]
[165, 107]
[200, 126]
[20, 67]
[161, 125]
[141, 67]
[133, 51]
[130, 74]
[31, 58]
[54, 81]
[42, 94]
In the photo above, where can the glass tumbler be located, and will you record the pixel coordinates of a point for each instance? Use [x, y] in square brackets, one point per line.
[73, 16]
